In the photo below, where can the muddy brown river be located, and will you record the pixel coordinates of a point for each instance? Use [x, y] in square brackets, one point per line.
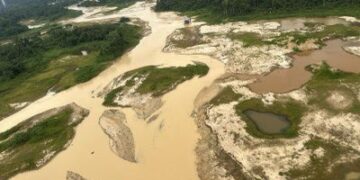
[164, 148]
[285, 80]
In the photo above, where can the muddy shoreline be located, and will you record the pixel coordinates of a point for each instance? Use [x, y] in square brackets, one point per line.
[213, 162]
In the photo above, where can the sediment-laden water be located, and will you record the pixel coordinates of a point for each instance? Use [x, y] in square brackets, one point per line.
[164, 148]
[285, 80]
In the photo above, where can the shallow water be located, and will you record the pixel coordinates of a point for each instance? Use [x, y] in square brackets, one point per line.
[285, 80]
[164, 148]
[268, 122]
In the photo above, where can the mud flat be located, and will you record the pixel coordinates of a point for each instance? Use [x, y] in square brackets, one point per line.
[122, 142]
[165, 154]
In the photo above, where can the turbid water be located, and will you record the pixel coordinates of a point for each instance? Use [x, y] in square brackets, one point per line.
[164, 148]
[284, 80]
[268, 123]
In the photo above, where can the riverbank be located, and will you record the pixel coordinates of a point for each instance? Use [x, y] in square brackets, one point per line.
[197, 132]
[162, 146]
[64, 59]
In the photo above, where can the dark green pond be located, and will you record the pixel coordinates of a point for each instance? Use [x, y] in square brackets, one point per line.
[268, 123]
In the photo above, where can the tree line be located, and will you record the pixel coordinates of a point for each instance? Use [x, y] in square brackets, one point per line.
[244, 7]
[17, 10]
[26, 54]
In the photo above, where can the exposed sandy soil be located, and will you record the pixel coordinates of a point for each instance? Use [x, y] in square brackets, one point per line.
[237, 58]
[73, 176]
[296, 23]
[353, 49]
[265, 159]
[339, 100]
[350, 19]
[115, 126]
[143, 104]
[213, 163]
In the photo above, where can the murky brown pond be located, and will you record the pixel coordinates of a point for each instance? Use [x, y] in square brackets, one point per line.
[268, 123]
[285, 80]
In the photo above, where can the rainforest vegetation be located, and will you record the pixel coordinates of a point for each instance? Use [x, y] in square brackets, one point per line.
[53, 58]
[220, 10]
[44, 10]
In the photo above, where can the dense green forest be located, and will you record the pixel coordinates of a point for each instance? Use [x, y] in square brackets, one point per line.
[250, 9]
[17, 10]
[31, 65]
[26, 54]
[43, 10]
[34, 61]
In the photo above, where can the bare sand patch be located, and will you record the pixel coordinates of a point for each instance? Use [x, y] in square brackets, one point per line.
[113, 122]
[74, 176]
[339, 100]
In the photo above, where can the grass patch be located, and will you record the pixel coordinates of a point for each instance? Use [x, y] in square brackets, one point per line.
[292, 109]
[158, 81]
[28, 144]
[110, 97]
[162, 80]
[331, 31]
[119, 4]
[325, 81]
[248, 38]
[226, 95]
[318, 166]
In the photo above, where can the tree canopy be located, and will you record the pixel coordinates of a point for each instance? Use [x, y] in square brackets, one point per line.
[244, 7]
